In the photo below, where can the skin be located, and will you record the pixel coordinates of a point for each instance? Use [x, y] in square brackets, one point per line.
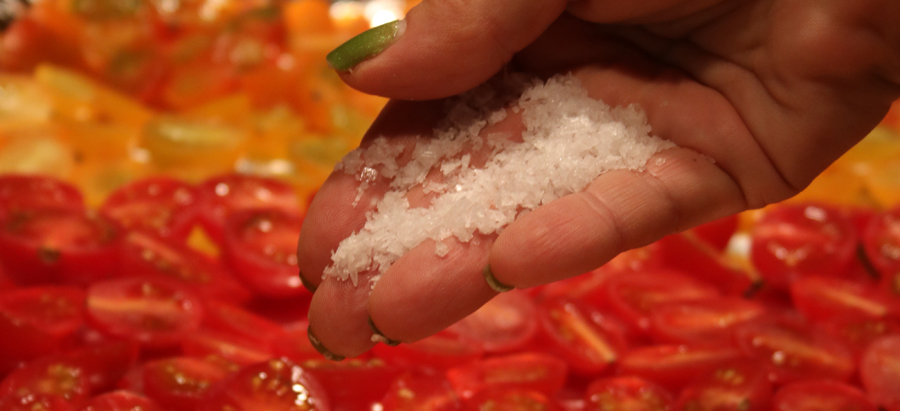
[772, 91]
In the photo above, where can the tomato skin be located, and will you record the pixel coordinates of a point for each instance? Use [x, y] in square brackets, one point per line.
[235, 320]
[58, 246]
[529, 371]
[881, 242]
[674, 366]
[823, 298]
[626, 394]
[232, 347]
[796, 240]
[159, 205]
[441, 351]
[506, 323]
[120, 401]
[821, 396]
[353, 384]
[418, 390]
[858, 333]
[53, 382]
[156, 312]
[261, 247]
[702, 322]
[180, 383]
[583, 337]
[511, 400]
[718, 233]
[737, 387]
[691, 255]
[274, 385]
[19, 192]
[879, 374]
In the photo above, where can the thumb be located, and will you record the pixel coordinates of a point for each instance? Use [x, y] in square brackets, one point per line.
[442, 47]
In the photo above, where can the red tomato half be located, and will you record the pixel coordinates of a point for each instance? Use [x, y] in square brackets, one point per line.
[180, 383]
[580, 335]
[702, 322]
[881, 241]
[880, 372]
[797, 240]
[499, 399]
[689, 254]
[153, 311]
[159, 205]
[738, 387]
[718, 233]
[231, 347]
[821, 396]
[440, 351]
[57, 245]
[421, 391]
[353, 384]
[261, 247]
[537, 372]
[674, 366]
[238, 321]
[504, 324]
[121, 401]
[626, 394]
[274, 385]
[221, 196]
[823, 298]
[28, 192]
[51, 383]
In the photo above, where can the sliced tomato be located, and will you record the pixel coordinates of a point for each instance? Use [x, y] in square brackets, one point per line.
[274, 385]
[880, 372]
[19, 192]
[440, 351]
[529, 371]
[797, 240]
[821, 396]
[691, 255]
[626, 393]
[295, 344]
[238, 321]
[153, 311]
[159, 205]
[795, 351]
[857, 333]
[121, 401]
[221, 196]
[59, 246]
[718, 233]
[418, 390]
[580, 335]
[702, 322]
[354, 384]
[53, 383]
[674, 366]
[736, 387]
[512, 399]
[144, 254]
[881, 242]
[25, 44]
[180, 383]
[261, 247]
[822, 298]
[504, 324]
[105, 363]
[231, 347]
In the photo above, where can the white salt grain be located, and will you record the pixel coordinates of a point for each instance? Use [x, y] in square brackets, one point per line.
[569, 140]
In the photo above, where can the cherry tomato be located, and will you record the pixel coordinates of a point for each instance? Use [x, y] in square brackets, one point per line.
[440, 351]
[821, 396]
[238, 321]
[144, 254]
[880, 372]
[702, 322]
[51, 383]
[823, 298]
[26, 192]
[354, 384]
[689, 254]
[881, 242]
[418, 390]
[295, 344]
[180, 383]
[580, 336]
[511, 399]
[274, 385]
[530, 371]
[797, 240]
[504, 324]
[105, 363]
[261, 247]
[153, 311]
[737, 387]
[58, 245]
[25, 44]
[229, 346]
[220, 196]
[674, 366]
[857, 333]
[626, 394]
[159, 205]
[718, 233]
[121, 401]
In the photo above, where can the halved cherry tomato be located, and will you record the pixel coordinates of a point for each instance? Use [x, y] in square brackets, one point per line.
[121, 401]
[857, 333]
[57, 245]
[419, 390]
[180, 383]
[511, 399]
[822, 298]
[37, 321]
[691, 255]
[702, 322]
[159, 205]
[354, 384]
[881, 241]
[105, 363]
[504, 324]
[580, 335]
[229, 346]
[821, 396]
[295, 344]
[144, 254]
[530, 371]
[220, 196]
[26, 192]
[879, 371]
[236, 320]
[274, 385]
[440, 351]
[797, 240]
[153, 311]
[261, 247]
[736, 387]
[795, 351]
[674, 366]
[718, 233]
[626, 394]
[52, 383]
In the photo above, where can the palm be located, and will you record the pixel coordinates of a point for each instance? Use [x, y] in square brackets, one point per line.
[771, 103]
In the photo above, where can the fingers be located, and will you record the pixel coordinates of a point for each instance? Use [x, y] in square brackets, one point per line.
[449, 46]
[652, 11]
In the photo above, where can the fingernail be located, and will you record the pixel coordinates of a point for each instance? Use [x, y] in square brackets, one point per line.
[377, 336]
[366, 45]
[493, 283]
[320, 347]
[306, 284]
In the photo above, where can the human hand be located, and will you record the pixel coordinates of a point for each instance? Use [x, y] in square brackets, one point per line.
[772, 90]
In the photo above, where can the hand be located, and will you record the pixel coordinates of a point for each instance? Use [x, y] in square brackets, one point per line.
[772, 90]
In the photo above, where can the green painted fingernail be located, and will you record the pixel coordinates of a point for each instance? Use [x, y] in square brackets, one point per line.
[493, 283]
[377, 336]
[364, 46]
[321, 347]
[306, 284]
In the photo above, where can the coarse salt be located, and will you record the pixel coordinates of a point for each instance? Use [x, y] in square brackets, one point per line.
[569, 140]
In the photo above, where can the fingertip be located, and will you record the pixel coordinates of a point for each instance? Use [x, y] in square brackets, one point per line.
[339, 317]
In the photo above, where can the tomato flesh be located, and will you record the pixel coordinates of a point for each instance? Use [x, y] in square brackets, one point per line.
[821, 395]
[579, 335]
[274, 385]
[880, 372]
[180, 383]
[504, 324]
[159, 205]
[537, 372]
[221, 196]
[626, 393]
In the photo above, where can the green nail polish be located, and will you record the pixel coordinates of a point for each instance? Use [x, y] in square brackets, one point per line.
[321, 347]
[306, 284]
[364, 46]
[377, 336]
[493, 283]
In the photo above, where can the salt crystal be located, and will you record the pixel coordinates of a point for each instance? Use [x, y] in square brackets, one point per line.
[569, 140]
